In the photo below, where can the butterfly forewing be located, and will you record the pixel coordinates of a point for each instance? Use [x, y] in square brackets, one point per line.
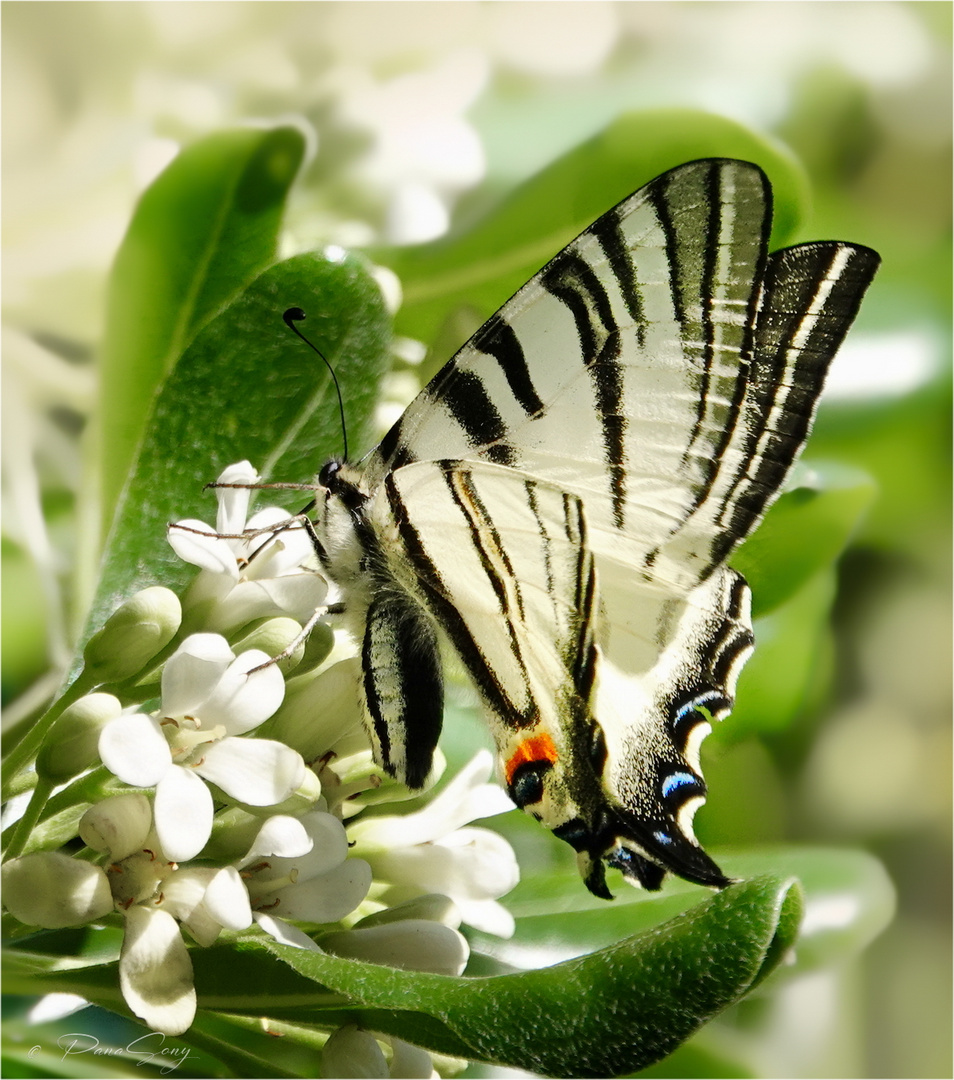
[559, 501]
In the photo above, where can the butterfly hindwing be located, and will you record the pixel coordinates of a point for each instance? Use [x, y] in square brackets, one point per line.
[560, 500]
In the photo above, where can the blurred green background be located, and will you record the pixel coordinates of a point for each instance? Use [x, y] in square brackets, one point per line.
[426, 115]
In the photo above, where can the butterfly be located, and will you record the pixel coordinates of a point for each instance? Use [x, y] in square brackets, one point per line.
[559, 502]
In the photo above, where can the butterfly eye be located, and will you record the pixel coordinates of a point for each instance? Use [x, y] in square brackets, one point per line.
[526, 786]
[328, 473]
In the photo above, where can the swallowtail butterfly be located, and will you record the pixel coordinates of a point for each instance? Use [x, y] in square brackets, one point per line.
[559, 502]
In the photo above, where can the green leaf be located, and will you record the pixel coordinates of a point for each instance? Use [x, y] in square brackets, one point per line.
[247, 388]
[804, 532]
[607, 1013]
[479, 269]
[201, 232]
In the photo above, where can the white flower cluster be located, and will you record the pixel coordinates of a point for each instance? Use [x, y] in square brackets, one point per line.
[240, 830]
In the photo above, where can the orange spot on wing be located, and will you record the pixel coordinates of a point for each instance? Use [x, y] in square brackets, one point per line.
[538, 748]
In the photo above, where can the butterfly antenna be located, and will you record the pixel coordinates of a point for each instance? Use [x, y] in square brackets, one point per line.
[294, 315]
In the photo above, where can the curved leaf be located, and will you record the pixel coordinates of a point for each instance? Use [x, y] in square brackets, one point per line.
[607, 1013]
[610, 1012]
[247, 388]
[849, 899]
[199, 234]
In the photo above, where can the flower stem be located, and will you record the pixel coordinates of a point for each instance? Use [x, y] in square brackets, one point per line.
[30, 817]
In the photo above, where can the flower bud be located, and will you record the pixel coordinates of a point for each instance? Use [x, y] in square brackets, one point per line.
[71, 746]
[119, 824]
[353, 1052]
[412, 944]
[272, 636]
[317, 714]
[52, 890]
[434, 907]
[133, 634]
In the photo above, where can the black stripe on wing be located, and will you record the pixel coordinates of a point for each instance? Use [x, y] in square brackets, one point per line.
[730, 197]
[498, 339]
[811, 296]
[571, 279]
[403, 686]
[608, 231]
[448, 615]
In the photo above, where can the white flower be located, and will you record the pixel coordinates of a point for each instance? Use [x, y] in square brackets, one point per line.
[318, 883]
[209, 697]
[429, 851]
[251, 577]
[155, 895]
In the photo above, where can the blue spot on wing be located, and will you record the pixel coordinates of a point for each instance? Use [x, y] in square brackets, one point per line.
[676, 780]
[689, 707]
[663, 838]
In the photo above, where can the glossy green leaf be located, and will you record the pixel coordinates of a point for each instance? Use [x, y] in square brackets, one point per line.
[804, 532]
[479, 269]
[248, 388]
[201, 232]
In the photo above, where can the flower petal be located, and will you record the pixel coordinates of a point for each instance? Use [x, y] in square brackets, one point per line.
[257, 772]
[284, 932]
[197, 544]
[474, 864]
[327, 898]
[487, 915]
[155, 972]
[329, 845]
[193, 672]
[233, 502]
[183, 890]
[464, 799]
[297, 595]
[281, 835]
[410, 1062]
[226, 900]
[243, 698]
[282, 552]
[133, 748]
[183, 814]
